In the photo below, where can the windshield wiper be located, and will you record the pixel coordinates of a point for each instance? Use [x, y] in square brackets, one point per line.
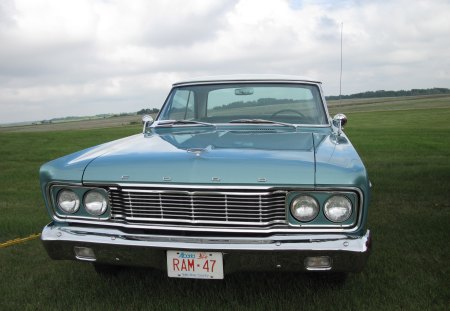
[261, 121]
[169, 123]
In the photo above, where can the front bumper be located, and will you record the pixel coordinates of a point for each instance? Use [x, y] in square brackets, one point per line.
[278, 252]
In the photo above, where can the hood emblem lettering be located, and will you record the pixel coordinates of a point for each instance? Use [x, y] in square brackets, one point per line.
[216, 179]
[165, 178]
[262, 179]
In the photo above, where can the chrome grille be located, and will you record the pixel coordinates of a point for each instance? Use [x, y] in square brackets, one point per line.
[230, 208]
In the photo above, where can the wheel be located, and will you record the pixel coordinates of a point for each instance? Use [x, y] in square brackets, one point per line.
[289, 111]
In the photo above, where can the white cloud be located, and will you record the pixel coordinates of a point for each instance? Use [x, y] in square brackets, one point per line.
[86, 57]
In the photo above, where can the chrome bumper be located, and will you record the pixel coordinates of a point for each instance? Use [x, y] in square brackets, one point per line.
[277, 252]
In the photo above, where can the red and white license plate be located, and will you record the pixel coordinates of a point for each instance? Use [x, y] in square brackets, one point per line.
[194, 265]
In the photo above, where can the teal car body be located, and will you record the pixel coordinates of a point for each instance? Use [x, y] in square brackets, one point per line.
[266, 193]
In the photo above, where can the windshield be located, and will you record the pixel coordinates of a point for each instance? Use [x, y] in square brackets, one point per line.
[246, 103]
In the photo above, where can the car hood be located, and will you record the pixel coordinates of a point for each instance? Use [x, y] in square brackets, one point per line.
[206, 157]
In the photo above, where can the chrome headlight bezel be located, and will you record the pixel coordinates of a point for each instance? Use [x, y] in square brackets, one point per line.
[309, 207]
[59, 214]
[321, 222]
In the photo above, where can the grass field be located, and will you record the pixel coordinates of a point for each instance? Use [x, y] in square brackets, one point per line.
[406, 151]
[75, 125]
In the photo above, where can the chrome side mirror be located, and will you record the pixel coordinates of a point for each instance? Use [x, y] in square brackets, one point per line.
[147, 120]
[339, 121]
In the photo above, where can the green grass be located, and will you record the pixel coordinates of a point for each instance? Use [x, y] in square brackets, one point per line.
[407, 154]
[389, 103]
[74, 125]
[21, 156]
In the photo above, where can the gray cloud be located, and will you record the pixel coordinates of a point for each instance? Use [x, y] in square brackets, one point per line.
[173, 25]
[86, 57]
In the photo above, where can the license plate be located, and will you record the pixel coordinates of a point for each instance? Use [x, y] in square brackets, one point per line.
[194, 265]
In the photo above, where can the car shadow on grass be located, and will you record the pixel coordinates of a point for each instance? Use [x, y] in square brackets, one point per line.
[265, 279]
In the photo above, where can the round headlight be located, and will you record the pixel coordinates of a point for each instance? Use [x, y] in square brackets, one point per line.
[338, 208]
[95, 203]
[68, 201]
[304, 208]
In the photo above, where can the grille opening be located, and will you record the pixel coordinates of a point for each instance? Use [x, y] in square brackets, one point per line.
[202, 208]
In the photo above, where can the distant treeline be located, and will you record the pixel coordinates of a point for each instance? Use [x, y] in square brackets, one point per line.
[383, 93]
[147, 111]
[252, 103]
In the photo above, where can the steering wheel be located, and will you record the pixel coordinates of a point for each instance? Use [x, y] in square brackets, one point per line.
[289, 111]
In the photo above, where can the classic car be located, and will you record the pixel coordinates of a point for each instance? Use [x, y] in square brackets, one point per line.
[243, 172]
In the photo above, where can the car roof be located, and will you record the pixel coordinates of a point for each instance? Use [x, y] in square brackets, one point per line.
[247, 78]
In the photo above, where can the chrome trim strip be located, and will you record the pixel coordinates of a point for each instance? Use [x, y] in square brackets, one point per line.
[211, 229]
[234, 81]
[210, 222]
[325, 106]
[199, 192]
[206, 186]
[61, 234]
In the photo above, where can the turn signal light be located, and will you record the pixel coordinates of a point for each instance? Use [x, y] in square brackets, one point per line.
[84, 253]
[318, 263]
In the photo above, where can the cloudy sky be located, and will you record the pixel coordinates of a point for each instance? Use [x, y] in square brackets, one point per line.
[85, 57]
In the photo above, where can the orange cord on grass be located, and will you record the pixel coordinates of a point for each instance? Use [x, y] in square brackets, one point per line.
[19, 240]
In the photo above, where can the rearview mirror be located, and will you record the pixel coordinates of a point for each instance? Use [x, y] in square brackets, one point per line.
[244, 91]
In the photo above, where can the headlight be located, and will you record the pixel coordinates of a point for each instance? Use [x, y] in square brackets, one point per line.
[68, 201]
[338, 208]
[304, 208]
[95, 203]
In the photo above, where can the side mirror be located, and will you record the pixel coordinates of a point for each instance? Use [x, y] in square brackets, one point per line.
[146, 121]
[339, 121]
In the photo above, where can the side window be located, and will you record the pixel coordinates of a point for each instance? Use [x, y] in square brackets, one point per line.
[182, 106]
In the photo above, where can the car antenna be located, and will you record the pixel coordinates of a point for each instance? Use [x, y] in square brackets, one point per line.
[340, 73]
